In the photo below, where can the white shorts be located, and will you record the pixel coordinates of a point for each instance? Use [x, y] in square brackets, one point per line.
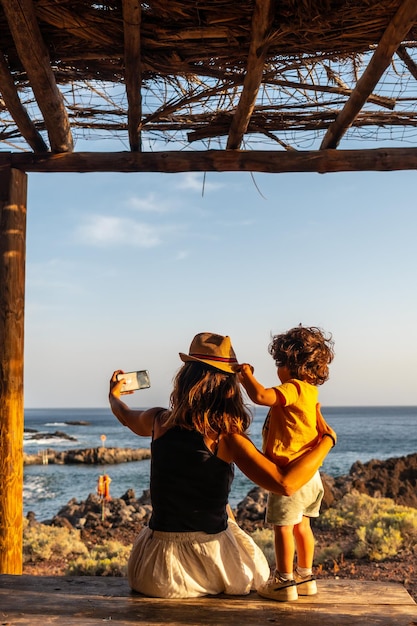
[289, 510]
[189, 565]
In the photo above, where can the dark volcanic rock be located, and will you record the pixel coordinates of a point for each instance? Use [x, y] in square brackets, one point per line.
[89, 456]
[250, 512]
[105, 518]
[37, 436]
[394, 478]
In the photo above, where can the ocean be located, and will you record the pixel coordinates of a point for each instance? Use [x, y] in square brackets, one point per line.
[364, 433]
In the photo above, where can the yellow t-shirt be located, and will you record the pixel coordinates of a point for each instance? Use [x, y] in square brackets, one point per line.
[291, 429]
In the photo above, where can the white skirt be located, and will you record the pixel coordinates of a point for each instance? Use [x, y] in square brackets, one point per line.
[189, 565]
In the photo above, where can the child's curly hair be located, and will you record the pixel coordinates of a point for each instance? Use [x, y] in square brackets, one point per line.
[306, 351]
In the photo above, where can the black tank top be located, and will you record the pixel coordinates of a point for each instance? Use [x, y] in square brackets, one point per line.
[189, 485]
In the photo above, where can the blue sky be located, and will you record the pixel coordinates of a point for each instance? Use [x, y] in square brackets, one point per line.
[123, 269]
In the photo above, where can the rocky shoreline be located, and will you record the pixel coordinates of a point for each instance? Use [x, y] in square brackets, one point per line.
[394, 478]
[89, 456]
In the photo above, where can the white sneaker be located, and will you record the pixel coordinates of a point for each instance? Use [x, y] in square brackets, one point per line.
[306, 585]
[278, 589]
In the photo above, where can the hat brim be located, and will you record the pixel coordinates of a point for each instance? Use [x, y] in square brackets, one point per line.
[230, 368]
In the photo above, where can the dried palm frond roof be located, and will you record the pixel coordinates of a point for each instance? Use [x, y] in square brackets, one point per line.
[267, 74]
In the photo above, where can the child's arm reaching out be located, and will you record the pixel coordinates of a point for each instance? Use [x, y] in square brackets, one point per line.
[257, 392]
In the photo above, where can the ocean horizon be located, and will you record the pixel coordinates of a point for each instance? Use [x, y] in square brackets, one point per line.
[364, 433]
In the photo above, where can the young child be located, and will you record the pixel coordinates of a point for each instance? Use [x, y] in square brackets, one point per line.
[294, 424]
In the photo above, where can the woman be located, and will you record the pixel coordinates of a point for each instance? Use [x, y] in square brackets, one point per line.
[192, 547]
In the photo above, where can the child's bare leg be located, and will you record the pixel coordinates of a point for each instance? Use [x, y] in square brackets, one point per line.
[304, 540]
[284, 548]
[282, 586]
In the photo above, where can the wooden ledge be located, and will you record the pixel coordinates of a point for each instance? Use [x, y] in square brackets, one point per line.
[92, 600]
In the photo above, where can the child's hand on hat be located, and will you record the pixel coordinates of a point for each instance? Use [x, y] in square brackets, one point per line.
[245, 370]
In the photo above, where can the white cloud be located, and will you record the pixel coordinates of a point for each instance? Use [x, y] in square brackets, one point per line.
[103, 230]
[183, 254]
[195, 181]
[151, 203]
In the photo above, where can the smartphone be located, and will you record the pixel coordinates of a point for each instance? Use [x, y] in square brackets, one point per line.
[135, 380]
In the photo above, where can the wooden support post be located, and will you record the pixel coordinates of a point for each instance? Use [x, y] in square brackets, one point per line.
[13, 189]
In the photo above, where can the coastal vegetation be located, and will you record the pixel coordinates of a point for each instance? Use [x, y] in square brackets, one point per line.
[380, 529]
[107, 559]
[42, 542]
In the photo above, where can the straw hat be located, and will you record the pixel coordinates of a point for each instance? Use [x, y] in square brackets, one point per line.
[214, 350]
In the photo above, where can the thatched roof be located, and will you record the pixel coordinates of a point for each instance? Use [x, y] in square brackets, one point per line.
[278, 75]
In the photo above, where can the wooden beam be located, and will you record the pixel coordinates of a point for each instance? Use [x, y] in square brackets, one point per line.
[274, 162]
[394, 34]
[13, 192]
[407, 60]
[18, 112]
[34, 56]
[383, 101]
[132, 15]
[261, 25]
[297, 121]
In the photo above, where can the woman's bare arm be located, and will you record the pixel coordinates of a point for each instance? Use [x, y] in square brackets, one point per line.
[265, 473]
[139, 421]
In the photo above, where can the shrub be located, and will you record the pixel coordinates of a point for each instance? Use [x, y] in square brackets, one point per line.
[41, 542]
[108, 559]
[382, 527]
[264, 538]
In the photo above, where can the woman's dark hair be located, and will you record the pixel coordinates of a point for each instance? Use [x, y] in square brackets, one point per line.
[306, 351]
[206, 399]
